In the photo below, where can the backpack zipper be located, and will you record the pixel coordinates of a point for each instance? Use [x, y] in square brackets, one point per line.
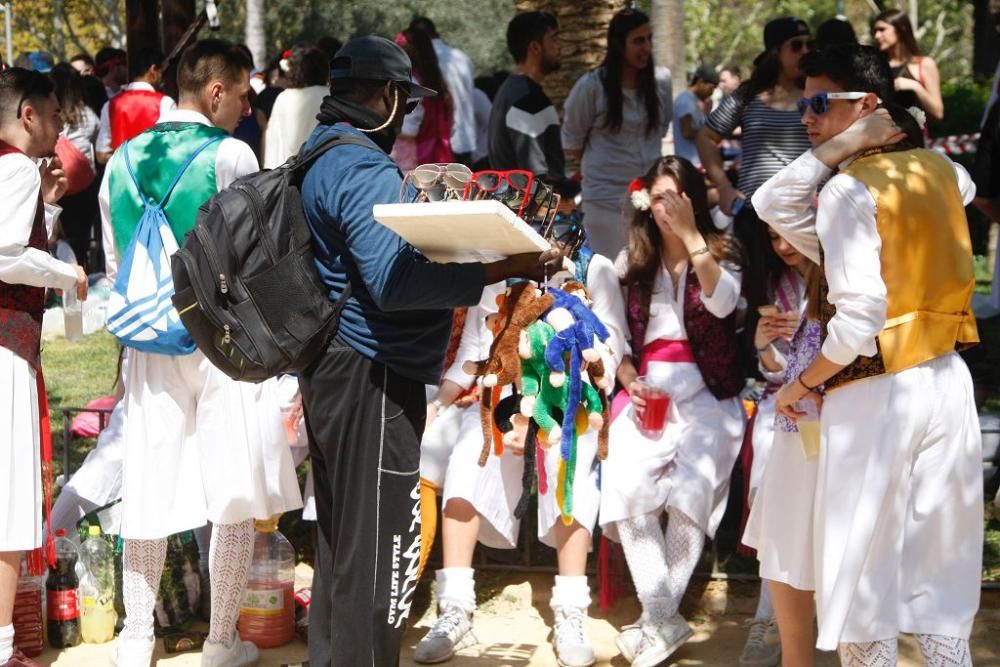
[256, 205]
[213, 259]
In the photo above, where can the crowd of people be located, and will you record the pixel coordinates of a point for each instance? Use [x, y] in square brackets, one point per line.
[832, 269]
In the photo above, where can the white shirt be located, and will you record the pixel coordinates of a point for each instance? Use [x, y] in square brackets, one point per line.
[19, 264]
[233, 160]
[84, 133]
[293, 118]
[845, 227]
[687, 104]
[103, 144]
[481, 106]
[459, 73]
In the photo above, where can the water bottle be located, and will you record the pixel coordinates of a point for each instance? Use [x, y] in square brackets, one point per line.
[97, 589]
[72, 315]
[267, 615]
[62, 601]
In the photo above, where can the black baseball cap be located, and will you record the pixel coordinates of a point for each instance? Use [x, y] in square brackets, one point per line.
[377, 59]
[779, 31]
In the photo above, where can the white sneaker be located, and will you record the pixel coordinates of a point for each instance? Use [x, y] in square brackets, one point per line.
[763, 647]
[133, 652]
[451, 632]
[240, 654]
[628, 640]
[659, 642]
[571, 645]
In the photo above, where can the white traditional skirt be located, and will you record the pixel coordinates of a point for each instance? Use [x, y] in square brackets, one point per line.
[20, 458]
[200, 447]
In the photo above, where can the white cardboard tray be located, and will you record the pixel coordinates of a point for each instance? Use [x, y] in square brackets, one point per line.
[461, 231]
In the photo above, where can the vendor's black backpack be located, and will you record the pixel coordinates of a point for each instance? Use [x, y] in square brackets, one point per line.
[246, 286]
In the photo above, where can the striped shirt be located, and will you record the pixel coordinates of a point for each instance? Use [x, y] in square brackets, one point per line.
[771, 138]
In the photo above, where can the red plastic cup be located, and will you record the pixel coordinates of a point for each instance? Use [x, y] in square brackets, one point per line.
[653, 418]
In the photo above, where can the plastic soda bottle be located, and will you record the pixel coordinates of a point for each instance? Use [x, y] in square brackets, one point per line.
[267, 615]
[97, 589]
[62, 602]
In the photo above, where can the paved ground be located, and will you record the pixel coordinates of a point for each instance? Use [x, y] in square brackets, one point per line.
[514, 627]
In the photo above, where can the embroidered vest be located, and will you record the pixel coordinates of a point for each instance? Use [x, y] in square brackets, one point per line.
[712, 340]
[157, 154]
[926, 262]
[131, 113]
[22, 306]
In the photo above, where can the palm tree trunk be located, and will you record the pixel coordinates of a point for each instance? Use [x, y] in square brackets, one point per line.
[583, 28]
[667, 17]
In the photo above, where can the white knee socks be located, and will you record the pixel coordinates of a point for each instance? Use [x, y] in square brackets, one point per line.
[883, 653]
[685, 542]
[141, 570]
[6, 642]
[229, 563]
[941, 651]
[571, 592]
[456, 587]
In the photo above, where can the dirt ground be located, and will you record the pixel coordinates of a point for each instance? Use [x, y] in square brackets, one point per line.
[514, 629]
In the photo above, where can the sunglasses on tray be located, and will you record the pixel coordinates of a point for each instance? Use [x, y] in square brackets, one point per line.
[820, 102]
[514, 188]
[438, 182]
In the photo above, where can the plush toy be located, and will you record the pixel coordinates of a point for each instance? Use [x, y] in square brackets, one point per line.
[523, 304]
[576, 327]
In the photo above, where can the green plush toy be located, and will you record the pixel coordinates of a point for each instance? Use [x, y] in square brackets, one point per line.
[539, 398]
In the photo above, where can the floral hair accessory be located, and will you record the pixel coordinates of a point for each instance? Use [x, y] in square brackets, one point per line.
[285, 63]
[918, 115]
[639, 195]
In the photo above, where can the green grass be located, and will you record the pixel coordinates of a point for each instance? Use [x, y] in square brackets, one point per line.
[78, 372]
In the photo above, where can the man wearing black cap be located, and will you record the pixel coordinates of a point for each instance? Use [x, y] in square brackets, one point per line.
[364, 398]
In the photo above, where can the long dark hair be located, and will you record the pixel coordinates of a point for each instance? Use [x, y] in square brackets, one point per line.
[622, 23]
[70, 93]
[898, 19]
[418, 45]
[645, 240]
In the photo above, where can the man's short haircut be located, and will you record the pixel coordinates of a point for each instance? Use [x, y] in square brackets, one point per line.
[210, 60]
[19, 85]
[854, 67]
[425, 24]
[732, 69]
[142, 60]
[82, 57]
[526, 28]
[106, 58]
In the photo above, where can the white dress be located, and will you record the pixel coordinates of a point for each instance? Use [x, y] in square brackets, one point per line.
[457, 438]
[688, 467]
[292, 120]
[20, 458]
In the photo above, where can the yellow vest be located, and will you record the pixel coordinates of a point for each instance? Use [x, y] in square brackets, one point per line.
[926, 255]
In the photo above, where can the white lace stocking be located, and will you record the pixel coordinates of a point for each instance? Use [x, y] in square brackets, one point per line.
[884, 653]
[229, 563]
[941, 651]
[685, 542]
[141, 569]
[646, 554]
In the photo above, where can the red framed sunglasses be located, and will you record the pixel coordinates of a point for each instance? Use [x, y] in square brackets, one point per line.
[514, 187]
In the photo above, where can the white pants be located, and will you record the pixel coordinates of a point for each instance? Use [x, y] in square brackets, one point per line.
[449, 459]
[899, 506]
[780, 526]
[20, 459]
[200, 447]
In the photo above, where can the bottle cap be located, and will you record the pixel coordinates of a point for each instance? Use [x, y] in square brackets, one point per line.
[60, 532]
[94, 530]
[266, 525]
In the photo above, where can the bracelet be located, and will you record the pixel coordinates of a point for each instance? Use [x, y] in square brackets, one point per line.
[700, 251]
[438, 404]
[805, 386]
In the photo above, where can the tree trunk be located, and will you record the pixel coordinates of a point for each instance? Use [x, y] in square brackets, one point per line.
[986, 41]
[256, 31]
[583, 28]
[667, 17]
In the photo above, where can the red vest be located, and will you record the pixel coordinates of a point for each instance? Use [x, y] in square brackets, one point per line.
[131, 113]
[712, 341]
[22, 306]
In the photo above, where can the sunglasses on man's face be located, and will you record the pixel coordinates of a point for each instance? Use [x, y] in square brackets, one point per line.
[801, 44]
[820, 102]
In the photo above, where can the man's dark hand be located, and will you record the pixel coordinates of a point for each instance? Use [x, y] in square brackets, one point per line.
[531, 265]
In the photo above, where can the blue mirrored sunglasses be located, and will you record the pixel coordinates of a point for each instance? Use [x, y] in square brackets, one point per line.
[820, 102]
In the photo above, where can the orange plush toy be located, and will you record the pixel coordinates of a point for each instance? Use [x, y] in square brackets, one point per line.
[522, 304]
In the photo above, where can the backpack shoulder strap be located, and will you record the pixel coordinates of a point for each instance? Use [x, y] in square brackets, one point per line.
[148, 201]
[305, 158]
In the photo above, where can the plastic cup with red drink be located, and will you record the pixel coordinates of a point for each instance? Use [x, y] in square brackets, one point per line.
[652, 418]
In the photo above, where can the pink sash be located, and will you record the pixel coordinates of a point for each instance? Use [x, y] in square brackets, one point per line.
[669, 351]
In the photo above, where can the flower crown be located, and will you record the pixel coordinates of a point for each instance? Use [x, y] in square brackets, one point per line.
[639, 195]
